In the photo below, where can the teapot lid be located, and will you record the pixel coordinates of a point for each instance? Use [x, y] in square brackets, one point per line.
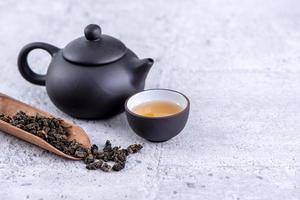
[95, 48]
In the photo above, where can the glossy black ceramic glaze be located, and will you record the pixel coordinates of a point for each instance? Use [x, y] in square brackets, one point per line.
[158, 129]
[91, 77]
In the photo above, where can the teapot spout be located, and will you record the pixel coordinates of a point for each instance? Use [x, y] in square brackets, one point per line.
[142, 69]
[145, 65]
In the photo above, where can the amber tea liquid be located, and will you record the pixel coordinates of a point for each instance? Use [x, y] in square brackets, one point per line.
[157, 109]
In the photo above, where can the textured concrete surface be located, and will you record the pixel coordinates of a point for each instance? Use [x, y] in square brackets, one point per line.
[238, 61]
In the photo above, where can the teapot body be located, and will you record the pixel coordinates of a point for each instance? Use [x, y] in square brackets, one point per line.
[92, 92]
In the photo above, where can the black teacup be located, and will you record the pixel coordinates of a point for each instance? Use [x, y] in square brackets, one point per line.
[157, 129]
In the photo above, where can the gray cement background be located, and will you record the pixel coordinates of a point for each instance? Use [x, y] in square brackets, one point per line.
[237, 61]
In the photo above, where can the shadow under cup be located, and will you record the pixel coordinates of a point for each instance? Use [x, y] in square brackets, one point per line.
[157, 129]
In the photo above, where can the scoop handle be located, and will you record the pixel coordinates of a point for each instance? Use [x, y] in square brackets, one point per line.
[24, 67]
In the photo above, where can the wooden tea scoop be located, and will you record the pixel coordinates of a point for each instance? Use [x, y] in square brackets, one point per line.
[10, 106]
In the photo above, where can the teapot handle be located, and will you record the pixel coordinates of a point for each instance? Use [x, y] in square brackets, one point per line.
[24, 68]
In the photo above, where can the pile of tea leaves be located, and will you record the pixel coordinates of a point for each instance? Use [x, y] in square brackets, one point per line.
[52, 131]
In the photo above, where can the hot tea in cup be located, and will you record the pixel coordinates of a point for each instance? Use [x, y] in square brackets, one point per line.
[157, 109]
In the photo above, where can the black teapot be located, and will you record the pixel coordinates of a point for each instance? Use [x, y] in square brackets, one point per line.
[91, 77]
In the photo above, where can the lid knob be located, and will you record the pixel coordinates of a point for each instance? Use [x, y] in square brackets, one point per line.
[92, 32]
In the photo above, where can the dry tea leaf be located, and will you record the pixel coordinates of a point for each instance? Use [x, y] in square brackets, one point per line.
[95, 165]
[134, 148]
[105, 167]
